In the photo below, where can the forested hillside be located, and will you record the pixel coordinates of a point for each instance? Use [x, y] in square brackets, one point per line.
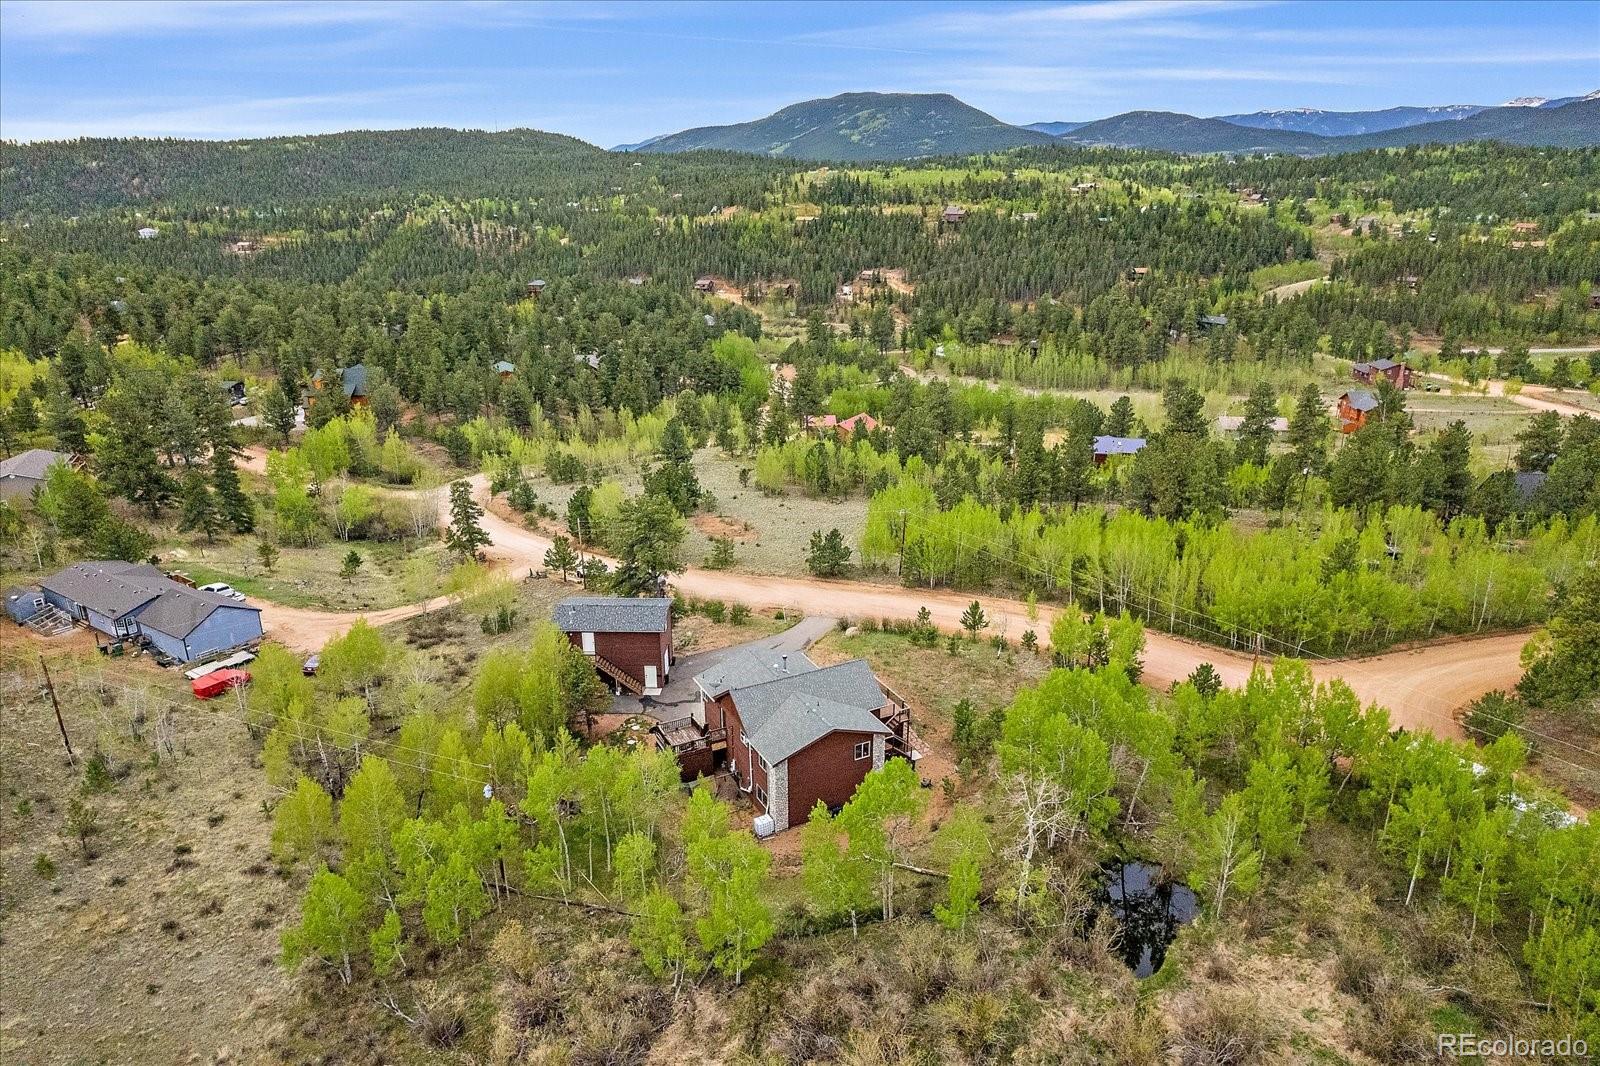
[1060, 401]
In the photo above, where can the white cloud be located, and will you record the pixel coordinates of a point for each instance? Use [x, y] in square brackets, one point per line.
[71, 20]
[212, 117]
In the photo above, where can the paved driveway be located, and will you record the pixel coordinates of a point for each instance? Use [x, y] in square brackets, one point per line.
[679, 696]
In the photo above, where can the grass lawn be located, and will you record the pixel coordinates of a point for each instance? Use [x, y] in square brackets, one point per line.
[1494, 421]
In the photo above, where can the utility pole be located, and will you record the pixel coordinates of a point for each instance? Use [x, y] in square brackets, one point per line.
[900, 567]
[51, 688]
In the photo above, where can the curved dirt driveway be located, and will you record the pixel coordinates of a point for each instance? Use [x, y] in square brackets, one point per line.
[1421, 687]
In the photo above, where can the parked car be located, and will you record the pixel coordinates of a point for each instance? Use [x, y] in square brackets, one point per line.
[222, 588]
[309, 667]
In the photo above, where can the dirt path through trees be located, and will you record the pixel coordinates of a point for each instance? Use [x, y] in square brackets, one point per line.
[1421, 687]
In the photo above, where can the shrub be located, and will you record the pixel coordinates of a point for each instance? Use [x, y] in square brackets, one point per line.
[738, 614]
[1225, 1029]
[1492, 715]
[97, 775]
[714, 610]
[44, 866]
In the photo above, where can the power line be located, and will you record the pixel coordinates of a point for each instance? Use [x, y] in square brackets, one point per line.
[214, 710]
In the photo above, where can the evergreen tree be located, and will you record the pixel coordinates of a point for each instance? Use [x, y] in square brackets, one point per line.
[1308, 432]
[647, 540]
[560, 557]
[1539, 441]
[580, 517]
[828, 555]
[466, 535]
[199, 512]
[231, 502]
[973, 620]
[1120, 421]
[278, 411]
[1255, 432]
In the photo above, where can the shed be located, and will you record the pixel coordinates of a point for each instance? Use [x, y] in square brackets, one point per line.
[148, 233]
[23, 602]
[505, 369]
[953, 215]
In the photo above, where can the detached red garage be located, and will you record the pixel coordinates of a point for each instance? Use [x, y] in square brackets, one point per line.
[218, 681]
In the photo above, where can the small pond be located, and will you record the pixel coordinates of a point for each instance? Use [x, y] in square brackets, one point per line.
[1148, 909]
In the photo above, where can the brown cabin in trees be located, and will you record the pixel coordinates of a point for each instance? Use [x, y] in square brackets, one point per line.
[1354, 406]
[1594, 299]
[1399, 375]
[535, 287]
[790, 732]
[628, 640]
[704, 284]
[352, 380]
[953, 215]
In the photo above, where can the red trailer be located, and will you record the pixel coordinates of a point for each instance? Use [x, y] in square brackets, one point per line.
[217, 682]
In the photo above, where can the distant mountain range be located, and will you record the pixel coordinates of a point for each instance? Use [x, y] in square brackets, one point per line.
[860, 126]
[1054, 129]
[856, 127]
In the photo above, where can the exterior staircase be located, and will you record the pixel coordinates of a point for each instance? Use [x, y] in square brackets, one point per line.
[619, 675]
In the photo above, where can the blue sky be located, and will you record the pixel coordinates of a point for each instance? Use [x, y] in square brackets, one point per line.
[615, 72]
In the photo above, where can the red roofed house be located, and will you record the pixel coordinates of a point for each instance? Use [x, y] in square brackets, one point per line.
[863, 422]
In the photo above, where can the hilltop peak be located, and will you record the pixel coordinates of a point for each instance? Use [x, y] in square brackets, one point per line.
[860, 126]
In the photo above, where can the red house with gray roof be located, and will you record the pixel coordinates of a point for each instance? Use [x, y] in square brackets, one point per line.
[795, 732]
[628, 640]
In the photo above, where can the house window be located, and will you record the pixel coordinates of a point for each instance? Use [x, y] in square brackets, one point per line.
[761, 796]
[765, 766]
[864, 750]
[744, 739]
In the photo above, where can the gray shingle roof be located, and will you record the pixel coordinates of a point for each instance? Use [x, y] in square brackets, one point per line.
[1361, 400]
[177, 611]
[790, 713]
[613, 614]
[32, 463]
[744, 667]
[355, 380]
[1528, 482]
[115, 589]
[101, 587]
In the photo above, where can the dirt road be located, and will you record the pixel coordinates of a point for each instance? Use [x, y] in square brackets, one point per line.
[1533, 397]
[1421, 687]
